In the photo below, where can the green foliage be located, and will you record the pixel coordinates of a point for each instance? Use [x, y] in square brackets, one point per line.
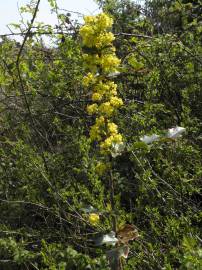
[48, 168]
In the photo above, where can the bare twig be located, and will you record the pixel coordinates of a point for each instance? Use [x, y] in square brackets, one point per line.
[28, 32]
[33, 33]
[133, 35]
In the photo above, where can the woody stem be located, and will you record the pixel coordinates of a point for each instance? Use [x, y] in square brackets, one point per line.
[114, 220]
[111, 185]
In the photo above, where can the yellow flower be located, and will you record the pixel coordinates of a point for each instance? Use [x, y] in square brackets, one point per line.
[91, 109]
[88, 79]
[104, 40]
[109, 62]
[94, 32]
[112, 85]
[103, 21]
[94, 218]
[95, 133]
[107, 143]
[107, 88]
[87, 33]
[114, 138]
[89, 19]
[106, 108]
[117, 138]
[112, 128]
[116, 102]
[100, 121]
[101, 88]
[96, 97]
[112, 89]
[111, 93]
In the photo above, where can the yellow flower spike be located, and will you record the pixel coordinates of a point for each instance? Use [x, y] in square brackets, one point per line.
[87, 33]
[101, 61]
[94, 219]
[111, 93]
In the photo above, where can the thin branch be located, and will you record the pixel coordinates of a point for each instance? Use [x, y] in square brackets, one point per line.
[133, 35]
[36, 205]
[28, 32]
[19, 73]
[111, 186]
[31, 33]
[70, 11]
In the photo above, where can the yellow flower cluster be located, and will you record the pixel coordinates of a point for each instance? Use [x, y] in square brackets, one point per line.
[92, 109]
[97, 130]
[114, 138]
[95, 31]
[104, 40]
[116, 102]
[113, 128]
[96, 97]
[92, 62]
[106, 108]
[109, 62]
[94, 219]
[100, 61]
[106, 88]
[88, 79]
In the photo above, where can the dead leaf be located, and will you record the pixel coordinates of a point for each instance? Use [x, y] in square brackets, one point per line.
[127, 233]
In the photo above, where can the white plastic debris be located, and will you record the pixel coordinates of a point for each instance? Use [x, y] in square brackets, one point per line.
[109, 239]
[175, 132]
[117, 149]
[150, 139]
[89, 209]
[114, 74]
[172, 133]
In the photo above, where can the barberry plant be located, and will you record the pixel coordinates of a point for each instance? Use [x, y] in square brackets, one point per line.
[101, 61]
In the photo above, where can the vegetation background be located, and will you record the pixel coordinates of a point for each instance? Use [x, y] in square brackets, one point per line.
[48, 166]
